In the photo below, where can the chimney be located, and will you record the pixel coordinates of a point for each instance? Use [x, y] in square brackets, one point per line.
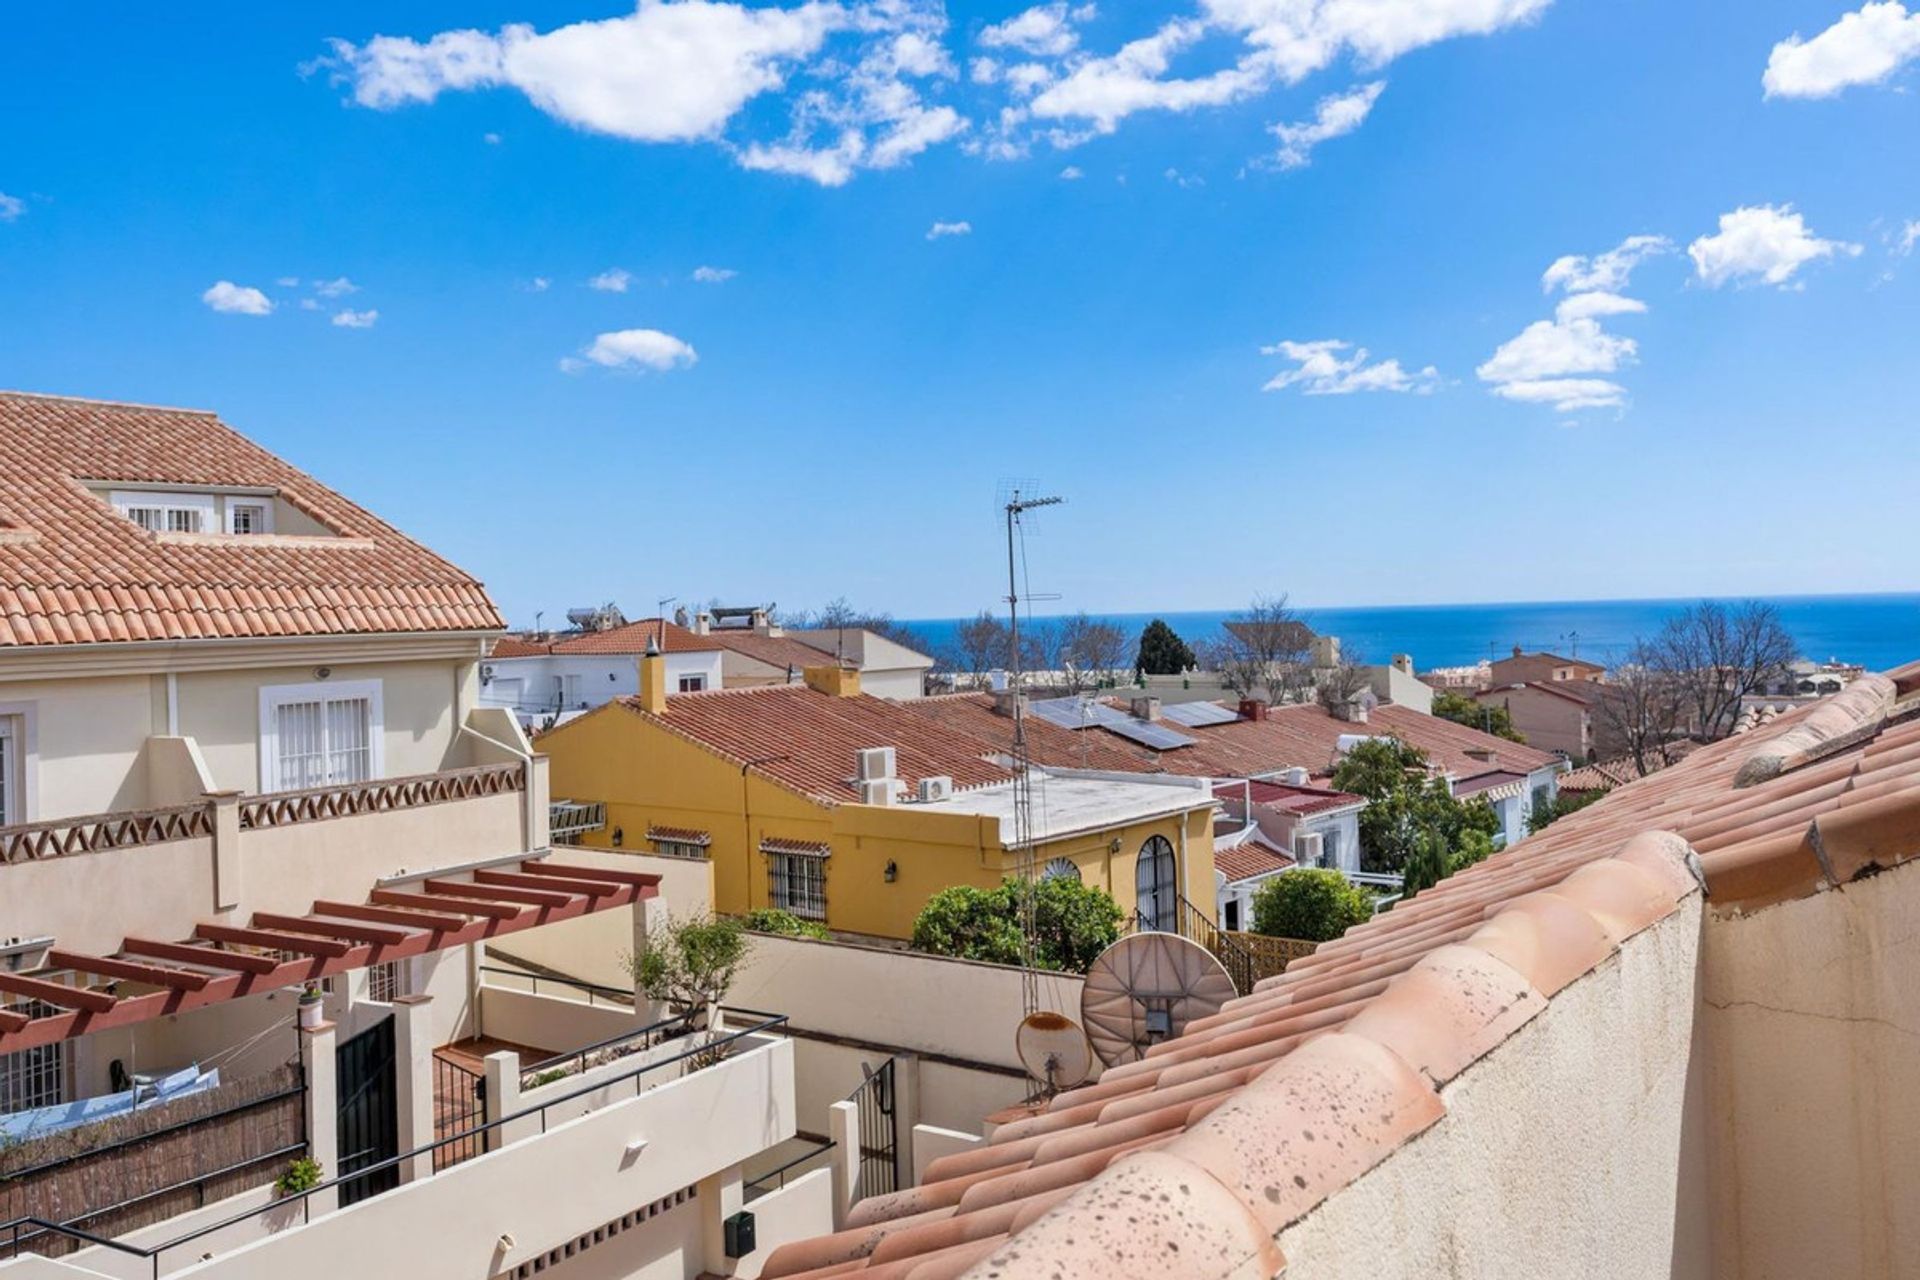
[1294, 776]
[835, 682]
[1252, 709]
[1352, 710]
[1403, 662]
[1004, 701]
[1516, 650]
[653, 680]
[1486, 755]
[702, 623]
[1146, 707]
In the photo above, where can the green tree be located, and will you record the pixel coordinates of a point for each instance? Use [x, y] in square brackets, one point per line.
[1073, 923]
[1162, 652]
[1459, 708]
[1433, 862]
[1404, 801]
[690, 963]
[1313, 905]
[1562, 804]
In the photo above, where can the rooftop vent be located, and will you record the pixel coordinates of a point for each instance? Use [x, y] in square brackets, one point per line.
[1146, 708]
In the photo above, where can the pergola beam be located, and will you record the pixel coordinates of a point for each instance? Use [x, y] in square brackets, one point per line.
[432, 904]
[498, 893]
[58, 993]
[362, 933]
[113, 967]
[391, 915]
[274, 940]
[631, 879]
[213, 957]
[594, 889]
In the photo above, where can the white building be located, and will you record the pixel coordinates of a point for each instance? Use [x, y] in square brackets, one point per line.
[543, 679]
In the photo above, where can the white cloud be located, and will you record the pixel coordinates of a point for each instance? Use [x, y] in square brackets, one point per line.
[637, 349]
[11, 207]
[1766, 243]
[1607, 271]
[714, 275]
[612, 280]
[1545, 362]
[1184, 180]
[539, 284]
[686, 70]
[491, 139]
[1861, 48]
[288, 282]
[237, 299]
[1908, 237]
[1321, 369]
[1334, 116]
[350, 319]
[940, 230]
[1072, 173]
[1046, 30]
[311, 304]
[337, 288]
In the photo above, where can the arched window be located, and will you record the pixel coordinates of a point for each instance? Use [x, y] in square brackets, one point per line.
[1156, 885]
[1060, 869]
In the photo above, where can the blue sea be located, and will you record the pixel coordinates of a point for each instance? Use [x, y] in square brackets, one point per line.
[1876, 631]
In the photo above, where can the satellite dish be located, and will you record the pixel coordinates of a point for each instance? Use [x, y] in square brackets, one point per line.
[1053, 1049]
[1146, 988]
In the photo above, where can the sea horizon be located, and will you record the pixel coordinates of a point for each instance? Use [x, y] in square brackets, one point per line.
[1877, 630]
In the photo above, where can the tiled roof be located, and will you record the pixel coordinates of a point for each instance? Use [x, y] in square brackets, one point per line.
[808, 740]
[1212, 1143]
[74, 571]
[1251, 857]
[1608, 774]
[631, 638]
[1302, 734]
[1303, 801]
[780, 652]
[1584, 692]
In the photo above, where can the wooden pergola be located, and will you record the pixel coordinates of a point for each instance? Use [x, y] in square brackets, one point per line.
[148, 978]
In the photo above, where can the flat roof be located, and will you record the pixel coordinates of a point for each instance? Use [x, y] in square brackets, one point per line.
[1067, 803]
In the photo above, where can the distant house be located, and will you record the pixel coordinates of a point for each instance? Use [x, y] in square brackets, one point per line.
[1269, 827]
[759, 651]
[1553, 715]
[542, 679]
[1541, 668]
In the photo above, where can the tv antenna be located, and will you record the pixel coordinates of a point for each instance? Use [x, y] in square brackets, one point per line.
[1020, 499]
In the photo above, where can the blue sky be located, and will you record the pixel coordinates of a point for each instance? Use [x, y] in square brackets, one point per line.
[1716, 408]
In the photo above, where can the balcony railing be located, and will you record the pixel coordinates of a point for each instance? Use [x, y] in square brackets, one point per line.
[59, 837]
[568, 819]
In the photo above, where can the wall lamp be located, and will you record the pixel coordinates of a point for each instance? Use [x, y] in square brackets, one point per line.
[619, 836]
[893, 871]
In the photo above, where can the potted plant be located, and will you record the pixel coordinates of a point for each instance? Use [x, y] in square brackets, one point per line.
[302, 1174]
[311, 1011]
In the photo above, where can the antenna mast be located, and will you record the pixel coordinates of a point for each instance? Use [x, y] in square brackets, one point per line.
[1016, 508]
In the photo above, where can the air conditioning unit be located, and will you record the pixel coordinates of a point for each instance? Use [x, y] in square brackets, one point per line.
[935, 789]
[1308, 848]
[1295, 776]
[876, 762]
[876, 791]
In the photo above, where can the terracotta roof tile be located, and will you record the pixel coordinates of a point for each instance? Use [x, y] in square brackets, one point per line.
[783, 653]
[1235, 1121]
[633, 637]
[77, 572]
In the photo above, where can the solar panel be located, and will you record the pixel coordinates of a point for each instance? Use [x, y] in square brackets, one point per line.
[1072, 713]
[1149, 734]
[1196, 715]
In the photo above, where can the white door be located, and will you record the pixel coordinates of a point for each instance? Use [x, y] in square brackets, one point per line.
[319, 735]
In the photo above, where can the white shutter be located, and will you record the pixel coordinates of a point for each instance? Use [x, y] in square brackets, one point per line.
[302, 759]
[349, 741]
[319, 735]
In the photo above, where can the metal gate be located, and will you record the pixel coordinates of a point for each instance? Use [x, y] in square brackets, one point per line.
[369, 1119]
[879, 1132]
[459, 1106]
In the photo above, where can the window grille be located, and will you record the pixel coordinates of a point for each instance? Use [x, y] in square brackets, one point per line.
[680, 849]
[35, 1077]
[183, 520]
[797, 882]
[385, 982]
[248, 517]
[323, 742]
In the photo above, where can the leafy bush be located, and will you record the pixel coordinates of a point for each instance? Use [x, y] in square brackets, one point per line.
[691, 962]
[1073, 923]
[302, 1174]
[1562, 804]
[1404, 802]
[785, 923]
[1313, 905]
[1484, 716]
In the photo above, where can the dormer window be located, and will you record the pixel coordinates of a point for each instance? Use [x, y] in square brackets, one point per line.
[166, 512]
[249, 517]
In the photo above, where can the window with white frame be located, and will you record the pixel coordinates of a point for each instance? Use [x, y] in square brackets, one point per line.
[692, 684]
[35, 1077]
[679, 849]
[249, 517]
[12, 783]
[165, 512]
[326, 734]
[797, 882]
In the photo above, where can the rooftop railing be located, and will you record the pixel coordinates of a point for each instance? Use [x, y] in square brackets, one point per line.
[700, 1055]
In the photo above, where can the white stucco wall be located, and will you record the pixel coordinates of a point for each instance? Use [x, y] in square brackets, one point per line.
[601, 677]
[1811, 1021]
[1560, 1153]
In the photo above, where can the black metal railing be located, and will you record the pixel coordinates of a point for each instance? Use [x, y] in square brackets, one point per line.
[878, 1131]
[1193, 924]
[574, 1061]
[594, 991]
[154, 1254]
[776, 1178]
[459, 1103]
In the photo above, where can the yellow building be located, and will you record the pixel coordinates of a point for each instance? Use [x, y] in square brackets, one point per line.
[844, 808]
